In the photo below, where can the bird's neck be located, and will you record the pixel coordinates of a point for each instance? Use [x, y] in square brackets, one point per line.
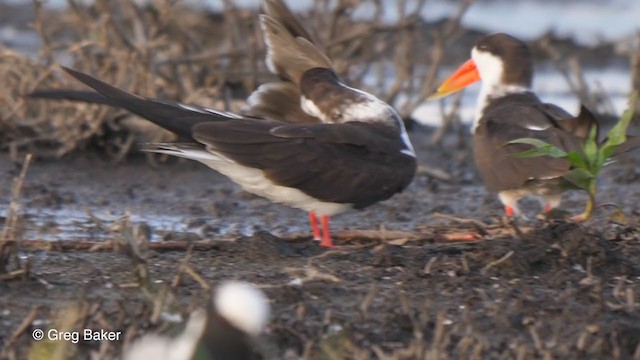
[490, 91]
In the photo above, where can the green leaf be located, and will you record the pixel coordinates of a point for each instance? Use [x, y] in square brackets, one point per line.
[581, 178]
[590, 149]
[618, 134]
[541, 148]
[577, 160]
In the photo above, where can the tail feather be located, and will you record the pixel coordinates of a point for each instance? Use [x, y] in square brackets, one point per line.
[71, 95]
[175, 117]
[288, 55]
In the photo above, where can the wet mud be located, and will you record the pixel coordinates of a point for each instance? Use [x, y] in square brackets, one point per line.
[539, 289]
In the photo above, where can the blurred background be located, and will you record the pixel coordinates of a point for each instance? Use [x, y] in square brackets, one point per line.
[211, 52]
[94, 199]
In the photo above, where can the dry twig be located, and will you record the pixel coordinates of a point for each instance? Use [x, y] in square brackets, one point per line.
[9, 237]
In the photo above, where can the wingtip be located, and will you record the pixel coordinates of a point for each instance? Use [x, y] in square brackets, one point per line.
[70, 71]
[44, 94]
[77, 74]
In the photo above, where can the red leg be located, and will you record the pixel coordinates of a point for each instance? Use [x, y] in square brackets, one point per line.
[548, 208]
[326, 238]
[313, 219]
[508, 210]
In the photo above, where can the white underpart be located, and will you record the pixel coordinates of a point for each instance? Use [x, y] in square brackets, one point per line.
[165, 348]
[491, 69]
[368, 109]
[243, 305]
[254, 181]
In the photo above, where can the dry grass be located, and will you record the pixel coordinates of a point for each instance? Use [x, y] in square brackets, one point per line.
[169, 51]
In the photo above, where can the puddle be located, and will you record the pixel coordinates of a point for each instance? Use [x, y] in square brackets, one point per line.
[55, 224]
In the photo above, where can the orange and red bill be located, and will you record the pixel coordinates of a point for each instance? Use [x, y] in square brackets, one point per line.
[466, 75]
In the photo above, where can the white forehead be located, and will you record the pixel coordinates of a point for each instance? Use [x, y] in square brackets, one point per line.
[490, 67]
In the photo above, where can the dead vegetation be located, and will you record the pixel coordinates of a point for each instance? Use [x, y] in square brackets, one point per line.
[170, 51]
[167, 50]
[10, 236]
[557, 291]
[548, 291]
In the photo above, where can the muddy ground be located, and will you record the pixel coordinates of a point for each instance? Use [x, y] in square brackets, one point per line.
[552, 290]
[134, 247]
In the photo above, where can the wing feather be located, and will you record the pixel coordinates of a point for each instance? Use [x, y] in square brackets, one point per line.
[357, 163]
[496, 160]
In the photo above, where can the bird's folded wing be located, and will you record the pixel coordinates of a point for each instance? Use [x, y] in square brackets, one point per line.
[355, 163]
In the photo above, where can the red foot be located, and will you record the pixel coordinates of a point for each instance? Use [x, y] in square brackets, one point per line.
[326, 238]
[508, 210]
[471, 237]
[313, 219]
[547, 208]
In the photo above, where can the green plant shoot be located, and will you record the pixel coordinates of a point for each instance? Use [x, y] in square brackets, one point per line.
[587, 164]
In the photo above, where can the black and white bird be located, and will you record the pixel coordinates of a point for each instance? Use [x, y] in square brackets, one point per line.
[507, 110]
[308, 141]
[238, 313]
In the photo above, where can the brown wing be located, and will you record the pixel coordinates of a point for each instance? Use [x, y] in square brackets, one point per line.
[524, 116]
[278, 101]
[356, 163]
[279, 11]
[289, 55]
